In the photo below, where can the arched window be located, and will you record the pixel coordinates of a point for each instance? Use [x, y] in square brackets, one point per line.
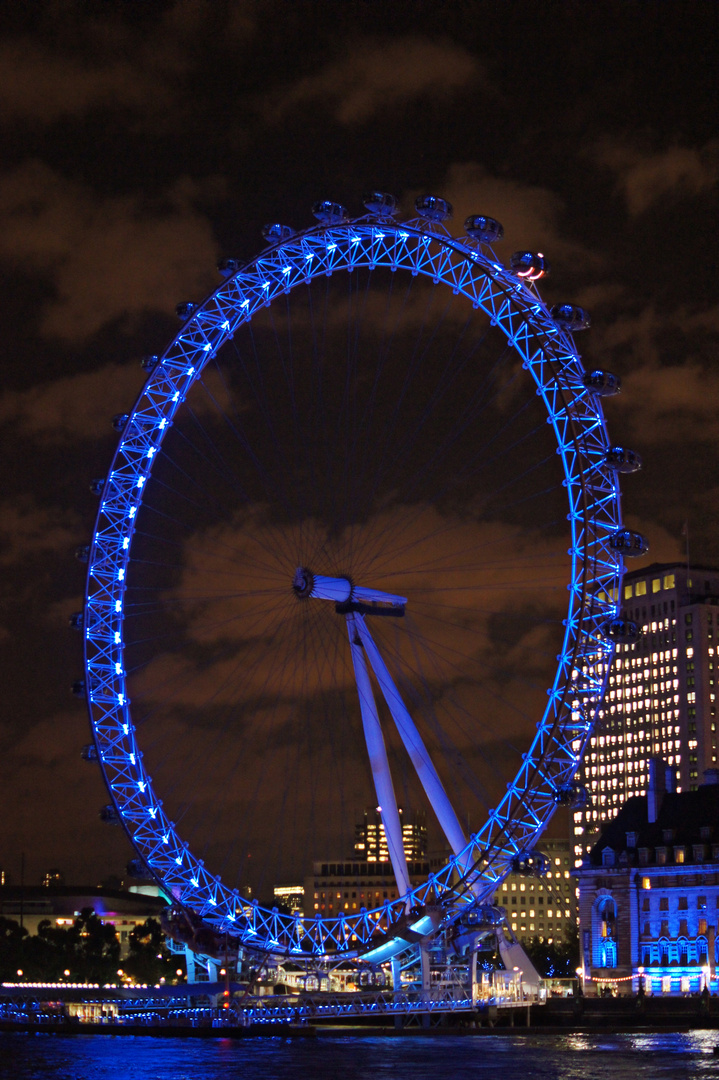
[608, 953]
[604, 917]
[682, 952]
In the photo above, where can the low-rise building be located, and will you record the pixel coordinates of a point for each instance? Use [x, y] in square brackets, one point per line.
[61, 905]
[649, 892]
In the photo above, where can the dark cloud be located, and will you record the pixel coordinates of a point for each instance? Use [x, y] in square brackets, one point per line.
[675, 174]
[106, 259]
[378, 77]
[144, 140]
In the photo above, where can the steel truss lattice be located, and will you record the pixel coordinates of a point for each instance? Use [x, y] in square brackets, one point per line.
[549, 356]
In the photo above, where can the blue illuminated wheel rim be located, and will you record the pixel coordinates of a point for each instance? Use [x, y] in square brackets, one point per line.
[574, 413]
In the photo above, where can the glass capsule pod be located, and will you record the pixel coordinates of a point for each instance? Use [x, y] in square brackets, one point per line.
[570, 317]
[572, 795]
[274, 233]
[78, 688]
[119, 420]
[149, 363]
[82, 552]
[228, 267]
[622, 459]
[96, 486]
[329, 213]
[529, 265]
[602, 383]
[76, 620]
[109, 815]
[531, 864]
[432, 208]
[622, 631]
[89, 752]
[485, 229]
[630, 543]
[185, 310]
[380, 203]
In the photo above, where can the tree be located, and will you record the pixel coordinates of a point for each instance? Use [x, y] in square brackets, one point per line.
[149, 959]
[558, 960]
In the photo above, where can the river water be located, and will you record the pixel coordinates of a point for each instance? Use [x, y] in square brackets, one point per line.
[361, 1057]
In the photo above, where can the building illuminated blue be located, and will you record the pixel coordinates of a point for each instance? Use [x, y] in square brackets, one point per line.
[649, 892]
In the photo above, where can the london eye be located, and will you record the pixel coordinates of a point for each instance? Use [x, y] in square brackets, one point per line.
[360, 545]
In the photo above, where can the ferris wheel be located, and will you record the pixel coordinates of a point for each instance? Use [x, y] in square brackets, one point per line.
[360, 545]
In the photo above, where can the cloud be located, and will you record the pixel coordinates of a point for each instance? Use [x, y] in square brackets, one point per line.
[54, 795]
[531, 215]
[74, 407]
[106, 258]
[27, 529]
[99, 59]
[39, 85]
[662, 399]
[82, 406]
[378, 76]
[645, 179]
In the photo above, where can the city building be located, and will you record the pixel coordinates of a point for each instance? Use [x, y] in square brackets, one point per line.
[31, 905]
[366, 880]
[661, 693]
[649, 892]
[354, 884]
[371, 842]
[291, 897]
[546, 907]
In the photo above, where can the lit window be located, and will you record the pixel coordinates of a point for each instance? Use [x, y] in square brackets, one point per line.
[640, 589]
[656, 584]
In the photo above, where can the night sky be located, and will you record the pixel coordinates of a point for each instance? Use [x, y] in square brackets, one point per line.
[145, 140]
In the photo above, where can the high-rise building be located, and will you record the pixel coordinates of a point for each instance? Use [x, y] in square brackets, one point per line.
[661, 694]
[371, 842]
[545, 907]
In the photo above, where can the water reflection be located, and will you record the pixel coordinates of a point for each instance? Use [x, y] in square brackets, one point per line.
[577, 1056]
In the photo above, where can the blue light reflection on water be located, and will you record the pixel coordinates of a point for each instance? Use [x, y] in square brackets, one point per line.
[594, 1056]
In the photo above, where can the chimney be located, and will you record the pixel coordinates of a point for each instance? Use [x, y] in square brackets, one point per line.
[661, 781]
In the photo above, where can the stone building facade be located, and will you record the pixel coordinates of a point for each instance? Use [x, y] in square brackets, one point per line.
[649, 892]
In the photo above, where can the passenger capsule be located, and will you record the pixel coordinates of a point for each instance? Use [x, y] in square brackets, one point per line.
[97, 485]
[569, 317]
[109, 815]
[78, 688]
[529, 265]
[531, 863]
[77, 620]
[632, 544]
[82, 553]
[275, 234]
[622, 631]
[572, 795]
[380, 203]
[432, 208]
[602, 383]
[149, 363]
[228, 267]
[623, 460]
[119, 421]
[137, 868]
[485, 229]
[329, 213]
[89, 752]
[185, 310]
